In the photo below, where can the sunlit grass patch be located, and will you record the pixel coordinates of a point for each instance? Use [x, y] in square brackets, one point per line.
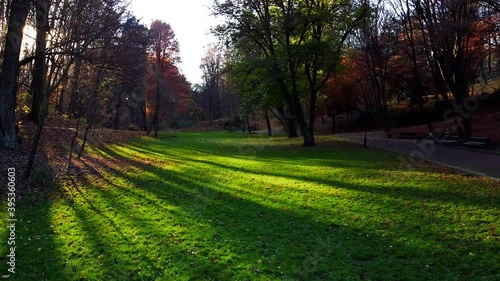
[222, 206]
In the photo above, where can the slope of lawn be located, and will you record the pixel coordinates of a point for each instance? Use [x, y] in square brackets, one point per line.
[229, 207]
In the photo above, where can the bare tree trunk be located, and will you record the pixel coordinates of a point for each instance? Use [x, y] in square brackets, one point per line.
[34, 148]
[40, 66]
[292, 128]
[490, 58]
[289, 124]
[38, 134]
[74, 103]
[41, 89]
[156, 117]
[144, 120]
[334, 124]
[296, 103]
[73, 140]
[307, 133]
[268, 123]
[44, 108]
[85, 136]
[467, 121]
[9, 74]
[247, 122]
[60, 100]
[312, 113]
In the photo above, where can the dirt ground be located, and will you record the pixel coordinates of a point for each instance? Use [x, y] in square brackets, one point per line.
[52, 154]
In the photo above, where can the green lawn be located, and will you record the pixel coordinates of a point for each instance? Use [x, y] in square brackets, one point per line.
[224, 206]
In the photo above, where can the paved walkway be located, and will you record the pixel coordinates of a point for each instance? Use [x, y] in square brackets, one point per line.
[474, 162]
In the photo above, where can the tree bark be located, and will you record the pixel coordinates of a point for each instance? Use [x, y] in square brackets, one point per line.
[9, 74]
[41, 87]
[312, 110]
[304, 128]
[294, 102]
[34, 148]
[292, 128]
[44, 108]
[75, 100]
[467, 121]
[72, 145]
[334, 124]
[84, 142]
[289, 124]
[43, 114]
[156, 117]
[268, 123]
[40, 65]
[61, 99]
[247, 122]
[144, 119]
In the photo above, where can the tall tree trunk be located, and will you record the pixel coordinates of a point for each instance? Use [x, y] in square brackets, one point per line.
[43, 114]
[307, 133]
[40, 74]
[298, 110]
[312, 110]
[62, 97]
[40, 65]
[92, 109]
[490, 58]
[334, 123]
[9, 74]
[144, 119]
[289, 124]
[156, 117]
[34, 148]
[268, 123]
[84, 142]
[210, 109]
[292, 128]
[295, 102]
[247, 122]
[72, 145]
[467, 121]
[75, 100]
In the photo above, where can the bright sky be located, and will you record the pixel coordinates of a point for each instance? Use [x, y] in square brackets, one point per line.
[191, 22]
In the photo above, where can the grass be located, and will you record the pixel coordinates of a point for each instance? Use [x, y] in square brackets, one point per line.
[491, 86]
[223, 206]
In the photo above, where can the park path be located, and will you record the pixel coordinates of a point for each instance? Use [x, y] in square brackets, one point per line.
[471, 161]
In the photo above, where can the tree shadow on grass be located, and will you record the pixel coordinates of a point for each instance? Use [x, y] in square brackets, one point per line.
[35, 249]
[141, 221]
[277, 241]
[406, 191]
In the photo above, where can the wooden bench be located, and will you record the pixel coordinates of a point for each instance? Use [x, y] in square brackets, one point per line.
[478, 142]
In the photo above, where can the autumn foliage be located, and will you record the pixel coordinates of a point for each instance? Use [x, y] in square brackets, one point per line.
[174, 89]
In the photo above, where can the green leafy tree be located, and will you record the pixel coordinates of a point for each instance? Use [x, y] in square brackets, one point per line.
[300, 41]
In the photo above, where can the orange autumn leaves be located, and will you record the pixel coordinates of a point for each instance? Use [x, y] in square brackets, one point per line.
[174, 88]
